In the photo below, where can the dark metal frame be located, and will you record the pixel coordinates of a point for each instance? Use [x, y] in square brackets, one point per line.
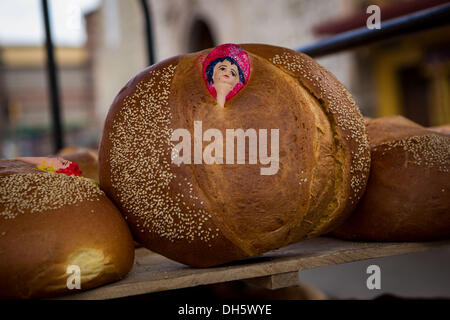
[53, 83]
[148, 32]
[418, 21]
[422, 20]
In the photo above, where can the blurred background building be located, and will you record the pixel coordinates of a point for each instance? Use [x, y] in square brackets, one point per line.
[25, 101]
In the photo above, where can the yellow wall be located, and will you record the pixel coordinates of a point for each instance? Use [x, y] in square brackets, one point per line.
[36, 56]
[409, 52]
[387, 64]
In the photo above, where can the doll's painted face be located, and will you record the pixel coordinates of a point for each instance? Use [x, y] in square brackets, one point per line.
[225, 74]
[57, 165]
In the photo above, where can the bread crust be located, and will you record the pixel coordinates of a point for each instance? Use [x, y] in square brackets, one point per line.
[204, 215]
[408, 193]
[50, 221]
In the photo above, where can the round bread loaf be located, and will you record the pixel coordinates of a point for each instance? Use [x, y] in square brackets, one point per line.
[202, 212]
[57, 231]
[408, 193]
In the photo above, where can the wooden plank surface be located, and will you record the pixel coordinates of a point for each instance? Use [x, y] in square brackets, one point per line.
[152, 272]
[275, 281]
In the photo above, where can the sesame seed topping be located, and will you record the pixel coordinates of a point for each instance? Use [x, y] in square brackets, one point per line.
[432, 150]
[38, 192]
[141, 170]
[335, 99]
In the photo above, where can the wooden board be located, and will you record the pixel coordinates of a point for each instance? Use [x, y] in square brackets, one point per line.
[152, 272]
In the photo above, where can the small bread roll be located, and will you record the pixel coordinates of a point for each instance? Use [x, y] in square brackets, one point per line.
[212, 209]
[408, 194]
[53, 227]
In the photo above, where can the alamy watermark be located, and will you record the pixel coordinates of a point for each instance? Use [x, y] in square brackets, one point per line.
[374, 280]
[74, 278]
[213, 153]
[374, 20]
[74, 15]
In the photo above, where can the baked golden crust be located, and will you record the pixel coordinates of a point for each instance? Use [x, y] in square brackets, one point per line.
[51, 221]
[408, 193]
[351, 147]
[204, 215]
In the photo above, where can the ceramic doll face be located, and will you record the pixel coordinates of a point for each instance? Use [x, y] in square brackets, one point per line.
[57, 165]
[225, 74]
